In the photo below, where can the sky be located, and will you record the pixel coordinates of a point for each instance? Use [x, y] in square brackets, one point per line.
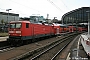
[55, 8]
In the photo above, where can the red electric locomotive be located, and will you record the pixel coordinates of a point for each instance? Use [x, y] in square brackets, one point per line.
[19, 31]
[24, 31]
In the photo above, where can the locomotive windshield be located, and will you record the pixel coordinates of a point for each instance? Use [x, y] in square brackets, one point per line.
[15, 25]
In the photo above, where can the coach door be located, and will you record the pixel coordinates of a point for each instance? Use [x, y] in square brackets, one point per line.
[57, 31]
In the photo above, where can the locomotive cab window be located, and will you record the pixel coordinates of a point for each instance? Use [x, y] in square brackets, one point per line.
[12, 25]
[27, 25]
[18, 25]
[15, 25]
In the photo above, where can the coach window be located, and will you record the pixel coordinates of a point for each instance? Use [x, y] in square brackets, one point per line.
[27, 25]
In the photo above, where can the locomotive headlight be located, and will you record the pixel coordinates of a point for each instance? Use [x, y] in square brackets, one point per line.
[11, 31]
[18, 31]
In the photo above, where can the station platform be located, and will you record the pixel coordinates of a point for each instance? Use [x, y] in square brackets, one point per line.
[3, 38]
[77, 51]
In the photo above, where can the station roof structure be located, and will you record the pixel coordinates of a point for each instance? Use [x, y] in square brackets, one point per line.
[77, 16]
[4, 13]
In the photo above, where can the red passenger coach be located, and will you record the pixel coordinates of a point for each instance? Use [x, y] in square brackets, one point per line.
[72, 28]
[60, 28]
[80, 29]
[24, 30]
[64, 28]
[57, 29]
[84, 29]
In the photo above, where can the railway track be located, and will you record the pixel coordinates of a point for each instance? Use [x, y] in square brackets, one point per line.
[50, 53]
[30, 50]
[6, 48]
[51, 49]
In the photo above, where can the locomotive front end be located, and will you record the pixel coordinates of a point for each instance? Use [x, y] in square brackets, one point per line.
[15, 32]
[15, 29]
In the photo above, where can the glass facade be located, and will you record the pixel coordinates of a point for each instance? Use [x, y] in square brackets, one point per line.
[7, 18]
[37, 19]
[80, 15]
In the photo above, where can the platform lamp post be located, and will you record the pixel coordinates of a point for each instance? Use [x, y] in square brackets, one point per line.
[8, 14]
[88, 12]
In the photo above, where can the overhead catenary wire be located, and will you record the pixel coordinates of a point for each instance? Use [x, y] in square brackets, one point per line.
[23, 5]
[36, 10]
[64, 4]
[27, 6]
[55, 5]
